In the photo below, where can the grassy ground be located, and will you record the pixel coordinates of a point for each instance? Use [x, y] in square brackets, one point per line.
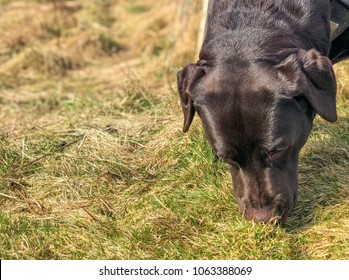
[93, 164]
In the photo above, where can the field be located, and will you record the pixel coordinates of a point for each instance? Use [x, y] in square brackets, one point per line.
[93, 163]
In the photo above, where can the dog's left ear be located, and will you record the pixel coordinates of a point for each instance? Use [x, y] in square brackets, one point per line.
[187, 80]
[311, 74]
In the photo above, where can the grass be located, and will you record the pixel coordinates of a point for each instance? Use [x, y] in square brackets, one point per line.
[93, 164]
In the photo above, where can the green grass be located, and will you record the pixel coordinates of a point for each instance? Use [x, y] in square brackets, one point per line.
[93, 163]
[136, 8]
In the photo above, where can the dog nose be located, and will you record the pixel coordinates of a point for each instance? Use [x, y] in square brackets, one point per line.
[262, 215]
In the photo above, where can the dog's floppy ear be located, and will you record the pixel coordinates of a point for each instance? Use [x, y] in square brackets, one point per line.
[187, 79]
[310, 74]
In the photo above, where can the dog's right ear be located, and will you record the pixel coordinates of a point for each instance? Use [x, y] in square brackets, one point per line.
[187, 80]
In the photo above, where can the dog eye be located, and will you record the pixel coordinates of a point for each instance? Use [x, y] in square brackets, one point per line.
[276, 154]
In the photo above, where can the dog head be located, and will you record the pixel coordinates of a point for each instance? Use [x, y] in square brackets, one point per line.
[257, 115]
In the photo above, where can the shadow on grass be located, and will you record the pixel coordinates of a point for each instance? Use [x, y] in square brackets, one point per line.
[323, 174]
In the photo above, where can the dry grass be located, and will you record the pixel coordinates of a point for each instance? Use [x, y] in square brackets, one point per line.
[93, 164]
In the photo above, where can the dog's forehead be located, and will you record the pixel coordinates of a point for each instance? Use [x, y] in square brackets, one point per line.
[238, 76]
[242, 112]
[247, 87]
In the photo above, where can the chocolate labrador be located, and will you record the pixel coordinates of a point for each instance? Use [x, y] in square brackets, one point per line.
[263, 74]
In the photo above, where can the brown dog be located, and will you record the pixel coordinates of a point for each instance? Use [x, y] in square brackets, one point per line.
[263, 74]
